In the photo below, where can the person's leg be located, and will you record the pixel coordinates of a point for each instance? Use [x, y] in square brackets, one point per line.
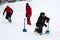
[10, 14]
[36, 30]
[7, 17]
[40, 30]
[28, 21]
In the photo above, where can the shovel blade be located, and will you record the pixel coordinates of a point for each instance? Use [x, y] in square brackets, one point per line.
[47, 32]
[24, 30]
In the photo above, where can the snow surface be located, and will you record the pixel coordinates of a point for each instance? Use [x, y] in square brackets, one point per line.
[13, 31]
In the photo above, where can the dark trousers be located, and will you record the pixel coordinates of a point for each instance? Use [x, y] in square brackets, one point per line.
[8, 15]
[39, 29]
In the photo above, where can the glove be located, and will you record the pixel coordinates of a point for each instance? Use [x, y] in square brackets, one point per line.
[47, 21]
[26, 15]
[3, 13]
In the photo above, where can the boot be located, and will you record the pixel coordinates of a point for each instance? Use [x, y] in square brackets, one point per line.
[10, 20]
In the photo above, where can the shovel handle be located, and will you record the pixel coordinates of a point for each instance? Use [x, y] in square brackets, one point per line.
[24, 23]
[48, 26]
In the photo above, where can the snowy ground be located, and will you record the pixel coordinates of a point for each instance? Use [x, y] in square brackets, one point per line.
[13, 31]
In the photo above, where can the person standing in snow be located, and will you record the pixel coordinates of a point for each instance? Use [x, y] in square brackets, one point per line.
[9, 13]
[28, 13]
[41, 22]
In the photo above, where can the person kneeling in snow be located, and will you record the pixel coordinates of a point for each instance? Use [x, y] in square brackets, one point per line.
[41, 22]
[9, 13]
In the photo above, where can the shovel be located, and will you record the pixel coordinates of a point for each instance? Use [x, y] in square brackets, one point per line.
[24, 30]
[47, 31]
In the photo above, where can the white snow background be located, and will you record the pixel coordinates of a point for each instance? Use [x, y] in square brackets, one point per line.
[13, 31]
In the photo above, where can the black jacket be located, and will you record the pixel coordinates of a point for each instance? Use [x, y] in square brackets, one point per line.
[41, 21]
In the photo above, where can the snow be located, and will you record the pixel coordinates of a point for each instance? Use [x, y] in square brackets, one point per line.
[13, 31]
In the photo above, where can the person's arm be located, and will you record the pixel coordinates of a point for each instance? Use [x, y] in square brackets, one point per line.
[47, 19]
[26, 11]
[4, 11]
[12, 10]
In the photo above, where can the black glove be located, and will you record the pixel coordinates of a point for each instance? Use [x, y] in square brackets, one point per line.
[26, 15]
[47, 21]
[3, 13]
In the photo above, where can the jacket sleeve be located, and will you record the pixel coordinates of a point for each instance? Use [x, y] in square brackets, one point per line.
[4, 11]
[39, 21]
[47, 19]
[12, 10]
[26, 11]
